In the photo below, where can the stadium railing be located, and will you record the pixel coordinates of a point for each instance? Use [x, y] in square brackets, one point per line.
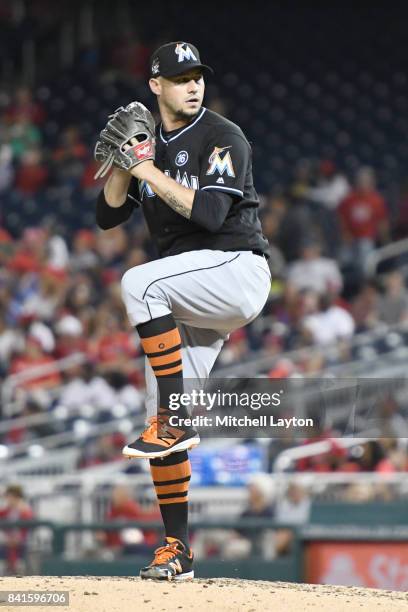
[60, 551]
[287, 458]
[13, 381]
[67, 497]
[57, 462]
[254, 365]
[389, 251]
[62, 554]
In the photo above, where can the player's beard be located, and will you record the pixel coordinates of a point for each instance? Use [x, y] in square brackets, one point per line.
[182, 115]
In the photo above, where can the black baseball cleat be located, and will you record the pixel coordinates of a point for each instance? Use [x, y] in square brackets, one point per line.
[161, 439]
[173, 561]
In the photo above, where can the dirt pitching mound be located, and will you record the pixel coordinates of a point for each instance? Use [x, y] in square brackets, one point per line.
[113, 594]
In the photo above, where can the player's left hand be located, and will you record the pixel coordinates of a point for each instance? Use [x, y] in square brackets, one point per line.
[141, 170]
[130, 132]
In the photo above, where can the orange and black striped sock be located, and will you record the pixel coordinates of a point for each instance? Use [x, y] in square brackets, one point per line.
[171, 477]
[161, 343]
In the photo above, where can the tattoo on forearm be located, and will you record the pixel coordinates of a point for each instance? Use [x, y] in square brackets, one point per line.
[176, 205]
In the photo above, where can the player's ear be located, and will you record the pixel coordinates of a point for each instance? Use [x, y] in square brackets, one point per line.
[155, 86]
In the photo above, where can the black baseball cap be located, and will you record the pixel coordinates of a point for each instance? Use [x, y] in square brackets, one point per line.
[174, 58]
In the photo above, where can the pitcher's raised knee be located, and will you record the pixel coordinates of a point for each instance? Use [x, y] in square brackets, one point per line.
[144, 299]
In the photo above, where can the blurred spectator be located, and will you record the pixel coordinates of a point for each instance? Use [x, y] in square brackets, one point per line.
[71, 146]
[292, 509]
[23, 135]
[328, 325]
[393, 305]
[260, 505]
[323, 199]
[331, 188]
[111, 246]
[69, 157]
[131, 540]
[25, 263]
[83, 387]
[58, 256]
[32, 174]
[364, 218]
[243, 543]
[113, 347]
[302, 179]
[34, 357]
[295, 227]
[396, 460]
[23, 103]
[13, 542]
[45, 301]
[83, 255]
[393, 422]
[364, 307]
[70, 338]
[104, 449]
[359, 493]
[82, 293]
[315, 272]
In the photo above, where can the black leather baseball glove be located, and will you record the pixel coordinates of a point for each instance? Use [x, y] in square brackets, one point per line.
[127, 140]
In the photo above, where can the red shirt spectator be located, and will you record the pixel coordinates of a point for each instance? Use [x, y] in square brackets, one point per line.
[363, 213]
[115, 346]
[71, 146]
[124, 508]
[330, 461]
[70, 337]
[24, 104]
[34, 357]
[32, 174]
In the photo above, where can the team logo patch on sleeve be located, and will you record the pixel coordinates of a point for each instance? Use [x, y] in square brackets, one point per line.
[220, 161]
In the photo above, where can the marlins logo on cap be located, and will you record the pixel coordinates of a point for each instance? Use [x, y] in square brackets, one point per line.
[184, 52]
[175, 58]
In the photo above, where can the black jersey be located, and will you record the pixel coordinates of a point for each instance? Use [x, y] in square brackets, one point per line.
[210, 153]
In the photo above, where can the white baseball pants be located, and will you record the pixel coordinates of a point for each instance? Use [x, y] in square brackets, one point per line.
[209, 293]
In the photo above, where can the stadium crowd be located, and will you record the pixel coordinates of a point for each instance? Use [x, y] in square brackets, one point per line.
[60, 275]
[60, 287]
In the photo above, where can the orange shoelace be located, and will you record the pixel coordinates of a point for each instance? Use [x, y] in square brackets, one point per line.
[151, 431]
[165, 553]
